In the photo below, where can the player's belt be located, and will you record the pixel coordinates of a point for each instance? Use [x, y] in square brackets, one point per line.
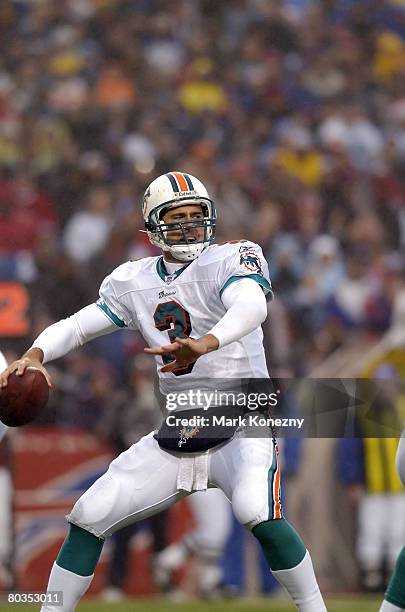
[197, 430]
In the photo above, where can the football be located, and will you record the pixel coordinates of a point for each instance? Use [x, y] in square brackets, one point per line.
[24, 397]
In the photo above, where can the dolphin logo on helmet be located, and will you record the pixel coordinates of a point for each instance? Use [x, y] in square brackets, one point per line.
[173, 190]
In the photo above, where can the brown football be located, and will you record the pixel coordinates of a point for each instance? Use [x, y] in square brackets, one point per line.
[24, 397]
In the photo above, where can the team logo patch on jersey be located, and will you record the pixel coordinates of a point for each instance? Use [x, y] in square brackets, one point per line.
[251, 261]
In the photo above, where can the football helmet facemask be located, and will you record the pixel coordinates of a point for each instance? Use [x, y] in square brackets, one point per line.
[170, 191]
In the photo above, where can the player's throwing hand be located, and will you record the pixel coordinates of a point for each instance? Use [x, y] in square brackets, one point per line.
[19, 366]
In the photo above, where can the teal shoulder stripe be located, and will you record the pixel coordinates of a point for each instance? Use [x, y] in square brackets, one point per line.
[263, 282]
[118, 322]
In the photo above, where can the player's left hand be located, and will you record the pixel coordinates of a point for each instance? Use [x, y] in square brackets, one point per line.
[185, 351]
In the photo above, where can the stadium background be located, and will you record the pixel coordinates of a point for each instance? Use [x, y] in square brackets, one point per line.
[293, 114]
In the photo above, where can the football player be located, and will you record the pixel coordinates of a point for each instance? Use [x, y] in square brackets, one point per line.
[199, 307]
[213, 522]
[390, 350]
[394, 599]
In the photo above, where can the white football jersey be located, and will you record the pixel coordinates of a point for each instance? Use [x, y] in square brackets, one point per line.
[141, 295]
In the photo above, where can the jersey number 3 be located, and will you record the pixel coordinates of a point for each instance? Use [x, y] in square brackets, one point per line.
[173, 318]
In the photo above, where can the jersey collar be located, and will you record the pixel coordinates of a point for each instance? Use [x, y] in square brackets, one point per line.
[163, 273]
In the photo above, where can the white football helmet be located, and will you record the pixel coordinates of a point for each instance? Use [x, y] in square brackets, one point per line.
[169, 191]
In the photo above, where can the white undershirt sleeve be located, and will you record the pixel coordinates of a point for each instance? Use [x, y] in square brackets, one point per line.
[62, 337]
[246, 310]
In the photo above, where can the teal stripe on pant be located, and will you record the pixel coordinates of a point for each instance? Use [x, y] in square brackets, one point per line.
[273, 480]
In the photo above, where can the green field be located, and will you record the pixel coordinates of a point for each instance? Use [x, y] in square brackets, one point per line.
[358, 604]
